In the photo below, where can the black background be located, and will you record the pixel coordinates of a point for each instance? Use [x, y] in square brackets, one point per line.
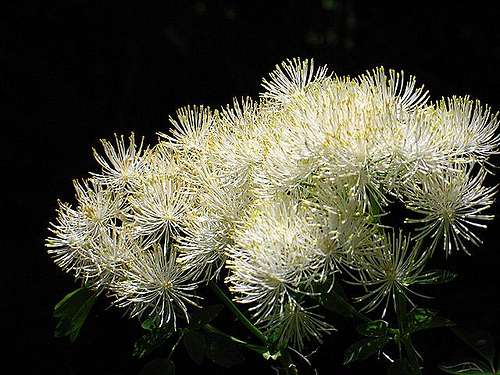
[76, 71]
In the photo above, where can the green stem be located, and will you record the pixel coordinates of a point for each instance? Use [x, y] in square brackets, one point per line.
[285, 361]
[405, 335]
[242, 318]
[175, 345]
[256, 348]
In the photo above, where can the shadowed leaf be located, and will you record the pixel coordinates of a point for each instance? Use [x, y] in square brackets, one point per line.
[466, 368]
[363, 349]
[161, 366]
[72, 311]
[151, 340]
[223, 352]
[481, 341]
[375, 328]
[400, 367]
[195, 344]
[205, 315]
[336, 301]
[420, 319]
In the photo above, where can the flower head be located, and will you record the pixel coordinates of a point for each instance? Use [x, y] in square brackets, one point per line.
[77, 229]
[154, 284]
[191, 129]
[272, 258]
[283, 193]
[391, 268]
[297, 325]
[452, 205]
[121, 164]
[202, 249]
[158, 210]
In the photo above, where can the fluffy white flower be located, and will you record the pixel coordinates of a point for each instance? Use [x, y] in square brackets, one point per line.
[290, 78]
[272, 258]
[67, 243]
[191, 129]
[159, 209]
[202, 249]
[155, 284]
[471, 130]
[452, 205]
[345, 231]
[281, 194]
[391, 268]
[76, 229]
[296, 325]
[111, 253]
[121, 164]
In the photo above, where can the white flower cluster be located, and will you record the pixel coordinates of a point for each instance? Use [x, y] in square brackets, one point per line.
[281, 195]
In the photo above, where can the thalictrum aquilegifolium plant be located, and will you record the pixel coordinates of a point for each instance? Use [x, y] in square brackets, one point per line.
[278, 207]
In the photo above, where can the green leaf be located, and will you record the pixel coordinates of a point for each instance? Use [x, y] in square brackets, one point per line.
[160, 366]
[72, 311]
[195, 344]
[335, 301]
[481, 341]
[151, 340]
[420, 319]
[149, 324]
[363, 349]
[435, 277]
[375, 208]
[466, 368]
[374, 328]
[275, 342]
[222, 351]
[205, 315]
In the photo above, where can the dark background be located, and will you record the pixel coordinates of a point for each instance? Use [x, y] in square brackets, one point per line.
[76, 71]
